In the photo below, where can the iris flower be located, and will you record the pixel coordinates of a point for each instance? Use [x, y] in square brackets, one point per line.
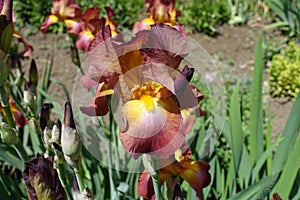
[196, 173]
[91, 25]
[42, 180]
[66, 10]
[145, 74]
[84, 25]
[160, 11]
[18, 116]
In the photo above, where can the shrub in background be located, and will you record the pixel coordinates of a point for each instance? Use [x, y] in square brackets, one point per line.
[285, 72]
[203, 16]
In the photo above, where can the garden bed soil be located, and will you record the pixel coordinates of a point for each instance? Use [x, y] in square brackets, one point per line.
[233, 48]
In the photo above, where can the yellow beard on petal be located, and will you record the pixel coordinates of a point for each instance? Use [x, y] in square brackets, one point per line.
[148, 102]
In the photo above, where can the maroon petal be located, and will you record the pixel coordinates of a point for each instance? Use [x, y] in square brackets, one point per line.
[145, 186]
[42, 180]
[102, 56]
[99, 107]
[165, 45]
[196, 173]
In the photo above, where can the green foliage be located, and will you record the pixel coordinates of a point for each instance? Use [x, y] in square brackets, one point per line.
[253, 171]
[31, 13]
[238, 12]
[288, 12]
[203, 16]
[285, 72]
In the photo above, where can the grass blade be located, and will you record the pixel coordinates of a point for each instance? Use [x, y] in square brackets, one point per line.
[236, 128]
[7, 155]
[289, 134]
[256, 121]
[264, 183]
[289, 172]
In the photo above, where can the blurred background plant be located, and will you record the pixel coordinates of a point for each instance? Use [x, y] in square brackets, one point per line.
[203, 16]
[287, 16]
[285, 72]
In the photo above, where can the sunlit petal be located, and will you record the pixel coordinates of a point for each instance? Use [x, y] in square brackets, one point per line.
[51, 19]
[197, 175]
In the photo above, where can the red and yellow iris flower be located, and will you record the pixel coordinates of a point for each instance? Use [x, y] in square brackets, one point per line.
[145, 73]
[18, 116]
[84, 25]
[160, 11]
[196, 173]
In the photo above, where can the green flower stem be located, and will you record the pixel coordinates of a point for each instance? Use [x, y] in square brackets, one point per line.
[113, 192]
[156, 185]
[62, 178]
[114, 135]
[150, 165]
[6, 108]
[79, 177]
[10, 121]
[76, 58]
[21, 152]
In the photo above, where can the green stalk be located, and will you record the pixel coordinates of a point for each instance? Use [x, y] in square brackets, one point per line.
[6, 108]
[21, 151]
[156, 185]
[150, 165]
[79, 177]
[113, 193]
[115, 142]
[75, 57]
[10, 121]
[62, 178]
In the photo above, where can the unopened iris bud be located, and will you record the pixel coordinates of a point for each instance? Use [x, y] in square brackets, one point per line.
[9, 135]
[47, 138]
[70, 141]
[59, 155]
[56, 132]
[44, 115]
[33, 75]
[34, 125]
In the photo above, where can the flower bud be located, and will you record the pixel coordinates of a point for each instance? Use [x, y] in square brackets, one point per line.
[33, 76]
[59, 155]
[34, 125]
[47, 138]
[28, 96]
[56, 132]
[9, 135]
[70, 141]
[148, 164]
[44, 115]
[42, 180]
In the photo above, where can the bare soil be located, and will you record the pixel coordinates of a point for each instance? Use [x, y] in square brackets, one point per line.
[233, 48]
